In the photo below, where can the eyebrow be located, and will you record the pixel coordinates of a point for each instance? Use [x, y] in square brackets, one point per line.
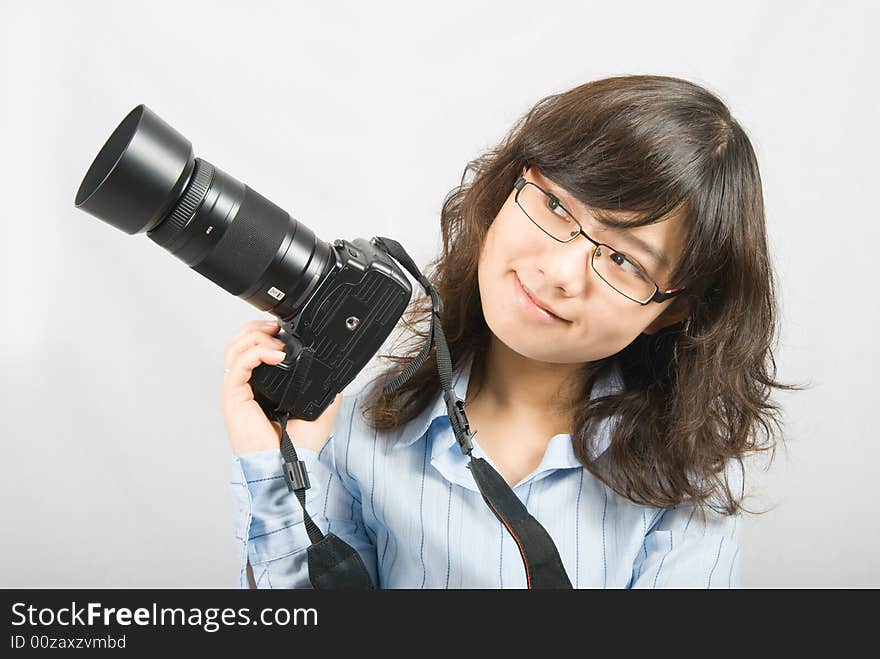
[648, 248]
[659, 257]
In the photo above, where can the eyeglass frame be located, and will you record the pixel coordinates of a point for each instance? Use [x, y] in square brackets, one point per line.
[521, 182]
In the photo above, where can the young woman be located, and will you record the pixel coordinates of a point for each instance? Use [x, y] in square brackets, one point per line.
[609, 305]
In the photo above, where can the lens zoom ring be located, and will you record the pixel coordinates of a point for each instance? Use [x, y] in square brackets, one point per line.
[192, 197]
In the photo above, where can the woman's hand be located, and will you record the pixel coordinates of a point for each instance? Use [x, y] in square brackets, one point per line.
[249, 429]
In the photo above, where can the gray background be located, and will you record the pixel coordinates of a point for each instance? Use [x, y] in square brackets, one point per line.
[357, 118]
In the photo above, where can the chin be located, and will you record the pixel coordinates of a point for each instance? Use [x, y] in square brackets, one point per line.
[531, 345]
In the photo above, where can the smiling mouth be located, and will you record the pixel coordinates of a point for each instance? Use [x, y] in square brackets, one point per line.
[533, 305]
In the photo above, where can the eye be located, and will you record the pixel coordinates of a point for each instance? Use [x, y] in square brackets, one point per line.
[556, 206]
[627, 264]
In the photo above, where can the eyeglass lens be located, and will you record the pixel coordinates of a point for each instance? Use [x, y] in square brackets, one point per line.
[621, 272]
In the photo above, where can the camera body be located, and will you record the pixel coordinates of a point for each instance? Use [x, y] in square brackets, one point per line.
[343, 324]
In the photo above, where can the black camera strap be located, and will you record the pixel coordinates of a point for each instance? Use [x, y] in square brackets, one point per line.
[334, 564]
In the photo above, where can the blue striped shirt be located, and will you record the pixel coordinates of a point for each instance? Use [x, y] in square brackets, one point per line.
[407, 503]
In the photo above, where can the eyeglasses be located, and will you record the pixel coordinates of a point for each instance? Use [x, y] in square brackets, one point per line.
[621, 272]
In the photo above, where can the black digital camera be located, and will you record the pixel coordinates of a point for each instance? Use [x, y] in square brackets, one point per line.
[336, 303]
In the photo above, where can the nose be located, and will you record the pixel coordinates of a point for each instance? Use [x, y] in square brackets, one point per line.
[567, 267]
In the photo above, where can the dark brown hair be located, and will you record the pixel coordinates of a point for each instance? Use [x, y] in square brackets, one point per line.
[697, 392]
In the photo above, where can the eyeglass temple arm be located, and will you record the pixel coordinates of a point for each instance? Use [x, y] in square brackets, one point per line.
[665, 295]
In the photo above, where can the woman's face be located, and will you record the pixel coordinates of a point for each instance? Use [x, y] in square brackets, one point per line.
[596, 320]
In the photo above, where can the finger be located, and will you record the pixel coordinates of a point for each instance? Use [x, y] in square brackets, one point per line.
[241, 368]
[246, 352]
[269, 327]
[261, 325]
[253, 338]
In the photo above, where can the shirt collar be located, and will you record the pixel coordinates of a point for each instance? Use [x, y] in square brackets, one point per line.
[559, 451]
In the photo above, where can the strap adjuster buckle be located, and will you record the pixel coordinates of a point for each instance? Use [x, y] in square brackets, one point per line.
[296, 476]
[455, 410]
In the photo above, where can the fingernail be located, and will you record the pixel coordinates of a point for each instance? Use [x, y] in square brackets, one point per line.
[281, 354]
[271, 322]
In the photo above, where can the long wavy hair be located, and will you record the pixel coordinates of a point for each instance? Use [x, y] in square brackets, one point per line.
[697, 392]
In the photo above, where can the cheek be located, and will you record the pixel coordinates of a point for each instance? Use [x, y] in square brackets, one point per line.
[488, 271]
[606, 326]
[507, 243]
[603, 329]
[492, 257]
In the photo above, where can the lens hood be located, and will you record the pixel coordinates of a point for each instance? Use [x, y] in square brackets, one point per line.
[138, 174]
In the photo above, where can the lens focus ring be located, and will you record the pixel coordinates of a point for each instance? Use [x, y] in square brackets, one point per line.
[192, 197]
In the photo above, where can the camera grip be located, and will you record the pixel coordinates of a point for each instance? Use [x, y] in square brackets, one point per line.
[271, 382]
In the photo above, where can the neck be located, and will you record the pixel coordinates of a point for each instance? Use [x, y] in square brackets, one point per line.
[518, 386]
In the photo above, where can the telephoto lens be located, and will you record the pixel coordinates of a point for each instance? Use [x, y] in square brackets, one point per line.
[145, 178]
[336, 303]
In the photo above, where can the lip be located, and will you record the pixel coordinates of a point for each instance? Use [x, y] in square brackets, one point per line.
[535, 307]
